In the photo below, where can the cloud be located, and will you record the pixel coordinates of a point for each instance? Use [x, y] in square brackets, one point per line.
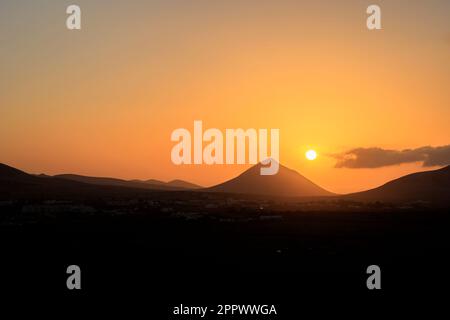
[378, 157]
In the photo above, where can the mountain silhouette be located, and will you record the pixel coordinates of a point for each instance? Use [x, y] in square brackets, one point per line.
[286, 183]
[430, 186]
[149, 184]
[105, 181]
[15, 184]
[177, 183]
[8, 173]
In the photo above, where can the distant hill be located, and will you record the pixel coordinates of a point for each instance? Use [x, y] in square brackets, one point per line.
[104, 181]
[286, 183]
[16, 184]
[183, 184]
[173, 183]
[430, 186]
[8, 173]
[149, 184]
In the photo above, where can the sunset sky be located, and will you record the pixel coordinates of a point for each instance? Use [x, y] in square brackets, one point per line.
[104, 100]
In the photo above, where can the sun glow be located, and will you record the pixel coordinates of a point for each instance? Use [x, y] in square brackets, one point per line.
[311, 155]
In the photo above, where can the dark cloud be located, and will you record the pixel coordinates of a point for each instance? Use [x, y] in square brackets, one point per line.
[377, 157]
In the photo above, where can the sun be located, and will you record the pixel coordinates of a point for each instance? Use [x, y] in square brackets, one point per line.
[311, 155]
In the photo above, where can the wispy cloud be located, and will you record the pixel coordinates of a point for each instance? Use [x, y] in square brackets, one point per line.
[378, 157]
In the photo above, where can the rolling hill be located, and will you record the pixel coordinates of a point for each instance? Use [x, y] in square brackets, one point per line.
[286, 183]
[17, 184]
[149, 184]
[429, 186]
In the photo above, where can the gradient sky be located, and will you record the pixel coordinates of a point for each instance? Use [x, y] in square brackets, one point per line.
[103, 101]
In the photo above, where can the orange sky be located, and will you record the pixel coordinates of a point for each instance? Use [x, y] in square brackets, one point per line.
[103, 101]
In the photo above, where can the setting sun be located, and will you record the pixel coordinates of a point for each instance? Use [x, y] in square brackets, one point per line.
[311, 155]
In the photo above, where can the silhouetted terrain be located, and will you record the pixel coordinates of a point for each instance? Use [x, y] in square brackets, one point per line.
[429, 189]
[286, 183]
[16, 184]
[183, 184]
[149, 184]
[431, 186]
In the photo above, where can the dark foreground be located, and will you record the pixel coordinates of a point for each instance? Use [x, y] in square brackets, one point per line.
[160, 257]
